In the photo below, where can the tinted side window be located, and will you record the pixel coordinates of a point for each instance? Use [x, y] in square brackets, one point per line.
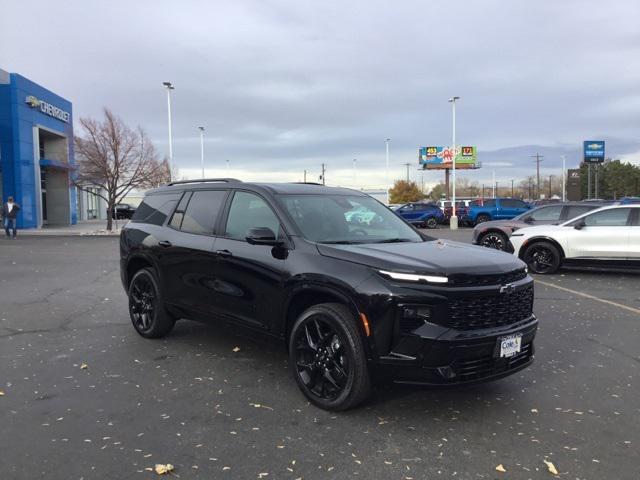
[202, 211]
[616, 217]
[547, 213]
[576, 210]
[178, 215]
[155, 209]
[489, 203]
[249, 211]
[511, 203]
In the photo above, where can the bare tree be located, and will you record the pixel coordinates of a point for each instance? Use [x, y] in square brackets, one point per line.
[116, 159]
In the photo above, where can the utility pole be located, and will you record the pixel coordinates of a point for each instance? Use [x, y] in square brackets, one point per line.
[596, 192]
[305, 176]
[169, 86]
[564, 178]
[453, 220]
[407, 165]
[323, 173]
[495, 184]
[589, 181]
[386, 171]
[538, 159]
[550, 185]
[511, 188]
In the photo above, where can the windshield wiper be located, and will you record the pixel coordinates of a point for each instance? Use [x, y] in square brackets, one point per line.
[395, 240]
[341, 242]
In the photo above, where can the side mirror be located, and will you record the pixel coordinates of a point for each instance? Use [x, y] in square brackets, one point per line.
[579, 225]
[261, 236]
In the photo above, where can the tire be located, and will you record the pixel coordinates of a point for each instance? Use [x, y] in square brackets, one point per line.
[431, 223]
[482, 218]
[146, 307]
[495, 240]
[328, 359]
[542, 257]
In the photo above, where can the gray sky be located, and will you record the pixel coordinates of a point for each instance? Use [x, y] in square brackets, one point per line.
[281, 86]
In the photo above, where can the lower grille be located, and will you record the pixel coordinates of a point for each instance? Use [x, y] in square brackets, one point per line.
[490, 311]
[476, 369]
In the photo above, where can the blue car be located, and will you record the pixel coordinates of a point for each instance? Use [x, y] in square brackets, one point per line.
[421, 215]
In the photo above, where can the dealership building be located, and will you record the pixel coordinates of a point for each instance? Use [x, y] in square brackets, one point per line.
[36, 156]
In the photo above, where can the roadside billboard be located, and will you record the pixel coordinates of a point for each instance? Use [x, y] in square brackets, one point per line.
[594, 151]
[440, 158]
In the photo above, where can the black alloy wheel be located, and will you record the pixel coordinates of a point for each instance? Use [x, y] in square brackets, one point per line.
[328, 359]
[542, 257]
[482, 218]
[495, 240]
[146, 308]
[431, 222]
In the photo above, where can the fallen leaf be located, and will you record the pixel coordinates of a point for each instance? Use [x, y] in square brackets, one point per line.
[84, 366]
[236, 349]
[161, 469]
[500, 468]
[551, 467]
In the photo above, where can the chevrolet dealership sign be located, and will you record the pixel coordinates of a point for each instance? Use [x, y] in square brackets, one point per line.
[48, 109]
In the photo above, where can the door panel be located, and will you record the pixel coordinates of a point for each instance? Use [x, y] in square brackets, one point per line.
[605, 234]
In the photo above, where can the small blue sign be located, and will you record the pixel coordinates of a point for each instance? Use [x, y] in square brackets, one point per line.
[594, 151]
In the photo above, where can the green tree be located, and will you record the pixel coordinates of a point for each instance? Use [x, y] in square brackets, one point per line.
[438, 192]
[404, 192]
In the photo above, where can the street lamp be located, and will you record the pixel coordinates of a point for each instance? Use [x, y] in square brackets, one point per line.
[355, 160]
[202, 149]
[169, 87]
[386, 172]
[453, 221]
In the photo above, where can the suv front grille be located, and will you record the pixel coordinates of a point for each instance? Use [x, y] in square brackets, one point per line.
[464, 280]
[474, 313]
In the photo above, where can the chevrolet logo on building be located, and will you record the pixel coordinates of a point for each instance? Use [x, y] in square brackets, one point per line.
[47, 108]
[594, 146]
[32, 101]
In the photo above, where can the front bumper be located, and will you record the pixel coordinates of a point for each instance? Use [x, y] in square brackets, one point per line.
[458, 357]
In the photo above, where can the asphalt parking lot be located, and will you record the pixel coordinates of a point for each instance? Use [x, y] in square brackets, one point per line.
[86, 398]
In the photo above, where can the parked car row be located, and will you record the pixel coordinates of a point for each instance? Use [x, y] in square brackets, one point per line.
[586, 233]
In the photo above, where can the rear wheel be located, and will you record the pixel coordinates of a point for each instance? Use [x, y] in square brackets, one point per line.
[146, 308]
[542, 257]
[494, 240]
[328, 359]
[482, 218]
[431, 222]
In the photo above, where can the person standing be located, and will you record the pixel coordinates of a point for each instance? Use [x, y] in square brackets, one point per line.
[9, 214]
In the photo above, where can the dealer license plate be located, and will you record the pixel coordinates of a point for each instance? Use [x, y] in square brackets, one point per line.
[510, 345]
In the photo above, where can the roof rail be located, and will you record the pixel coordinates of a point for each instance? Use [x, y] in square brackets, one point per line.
[205, 180]
[307, 183]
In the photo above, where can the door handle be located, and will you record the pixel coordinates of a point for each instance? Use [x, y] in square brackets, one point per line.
[164, 243]
[224, 253]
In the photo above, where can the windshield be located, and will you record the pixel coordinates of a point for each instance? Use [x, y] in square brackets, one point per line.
[346, 219]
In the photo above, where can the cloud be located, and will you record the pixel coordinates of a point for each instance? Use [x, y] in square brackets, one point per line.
[283, 86]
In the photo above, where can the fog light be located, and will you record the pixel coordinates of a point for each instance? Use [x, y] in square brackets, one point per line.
[416, 312]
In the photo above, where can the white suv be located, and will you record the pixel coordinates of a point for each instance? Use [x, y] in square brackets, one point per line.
[608, 236]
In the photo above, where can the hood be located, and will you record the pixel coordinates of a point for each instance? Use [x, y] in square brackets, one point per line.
[511, 224]
[442, 257]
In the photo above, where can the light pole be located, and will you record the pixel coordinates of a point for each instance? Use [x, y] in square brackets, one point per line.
[227, 166]
[355, 160]
[202, 149]
[564, 178]
[386, 172]
[453, 221]
[169, 87]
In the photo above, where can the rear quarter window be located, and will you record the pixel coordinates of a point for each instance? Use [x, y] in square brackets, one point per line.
[155, 208]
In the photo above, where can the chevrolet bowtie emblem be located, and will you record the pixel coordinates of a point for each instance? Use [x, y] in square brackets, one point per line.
[508, 288]
[32, 101]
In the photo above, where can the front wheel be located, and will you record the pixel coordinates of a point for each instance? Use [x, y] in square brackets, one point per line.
[542, 257]
[482, 218]
[146, 308]
[495, 240]
[328, 359]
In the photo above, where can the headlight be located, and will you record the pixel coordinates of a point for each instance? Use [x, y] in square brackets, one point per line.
[411, 277]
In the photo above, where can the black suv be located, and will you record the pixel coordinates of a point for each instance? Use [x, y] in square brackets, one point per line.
[355, 302]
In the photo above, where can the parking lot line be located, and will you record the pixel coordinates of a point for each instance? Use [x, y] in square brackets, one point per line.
[591, 297]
